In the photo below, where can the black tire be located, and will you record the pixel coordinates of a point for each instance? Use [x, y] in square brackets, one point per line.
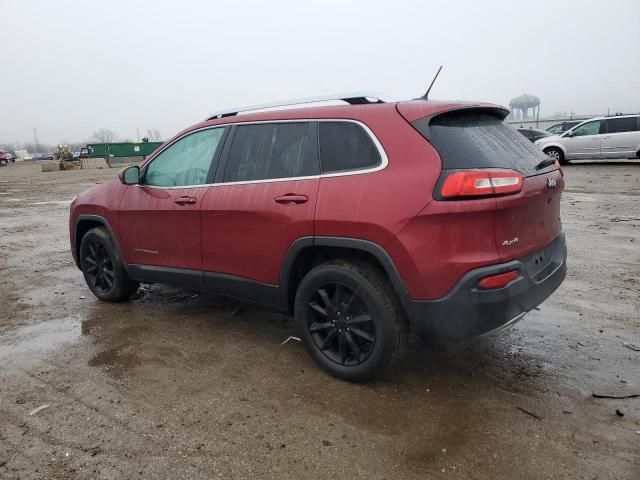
[3, 163]
[102, 268]
[556, 154]
[345, 343]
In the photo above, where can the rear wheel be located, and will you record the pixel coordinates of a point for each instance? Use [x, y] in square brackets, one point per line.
[103, 271]
[556, 154]
[350, 320]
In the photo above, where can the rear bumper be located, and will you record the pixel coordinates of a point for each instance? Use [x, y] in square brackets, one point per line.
[467, 311]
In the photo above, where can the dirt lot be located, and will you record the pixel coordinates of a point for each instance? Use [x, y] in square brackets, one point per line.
[176, 384]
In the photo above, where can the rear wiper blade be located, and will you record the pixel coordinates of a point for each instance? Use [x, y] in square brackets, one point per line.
[545, 163]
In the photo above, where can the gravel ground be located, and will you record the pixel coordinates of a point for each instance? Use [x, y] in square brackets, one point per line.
[177, 384]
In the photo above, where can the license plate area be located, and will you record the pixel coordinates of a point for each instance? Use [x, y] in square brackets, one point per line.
[539, 265]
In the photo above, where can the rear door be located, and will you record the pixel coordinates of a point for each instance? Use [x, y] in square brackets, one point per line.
[264, 199]
[477, 139]
[160, 218]
[621, 137]
[585, 143]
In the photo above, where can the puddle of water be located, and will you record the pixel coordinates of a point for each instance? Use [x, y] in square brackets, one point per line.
[116, 360]
[31, 341]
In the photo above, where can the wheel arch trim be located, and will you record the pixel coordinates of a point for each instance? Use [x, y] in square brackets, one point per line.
[105, 223]
[341, 242]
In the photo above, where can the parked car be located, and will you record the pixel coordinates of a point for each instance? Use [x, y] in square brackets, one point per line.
[605, 138]
[533, 134]
[559, 128]
[43, 156]
[363, 221]
[6, 158]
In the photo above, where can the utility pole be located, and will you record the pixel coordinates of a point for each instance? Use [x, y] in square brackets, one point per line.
[35, 140]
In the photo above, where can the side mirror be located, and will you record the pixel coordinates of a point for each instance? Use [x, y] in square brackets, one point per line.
[130, 175]
[568, 133]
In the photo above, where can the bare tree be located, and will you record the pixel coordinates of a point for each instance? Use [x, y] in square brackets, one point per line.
[104, 135]
[154, 135]
[29, 146]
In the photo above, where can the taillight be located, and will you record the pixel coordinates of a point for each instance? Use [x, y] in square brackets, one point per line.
[498, 281]
[481, 183]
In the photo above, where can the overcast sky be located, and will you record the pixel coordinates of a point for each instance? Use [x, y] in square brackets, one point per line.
[71, 67]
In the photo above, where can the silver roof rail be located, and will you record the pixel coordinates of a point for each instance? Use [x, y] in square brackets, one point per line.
[359, 98]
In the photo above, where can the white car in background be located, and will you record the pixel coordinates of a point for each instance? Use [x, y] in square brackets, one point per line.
[603, 138]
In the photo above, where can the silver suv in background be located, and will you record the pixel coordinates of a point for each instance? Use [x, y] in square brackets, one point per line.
[597, 138]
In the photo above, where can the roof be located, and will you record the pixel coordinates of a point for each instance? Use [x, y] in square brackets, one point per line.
[355, 106]
[355, 109]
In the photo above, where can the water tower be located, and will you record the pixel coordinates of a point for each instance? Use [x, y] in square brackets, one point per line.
[521, 105]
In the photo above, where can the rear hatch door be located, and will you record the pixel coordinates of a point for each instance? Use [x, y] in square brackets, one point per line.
[476, 138]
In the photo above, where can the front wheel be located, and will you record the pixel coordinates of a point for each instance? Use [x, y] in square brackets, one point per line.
[556, 154]
[102, 268]
[350, 320]
[3, 163]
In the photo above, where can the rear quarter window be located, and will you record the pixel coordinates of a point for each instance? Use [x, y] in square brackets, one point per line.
[474, 139]
[346, 146]
[621, 125]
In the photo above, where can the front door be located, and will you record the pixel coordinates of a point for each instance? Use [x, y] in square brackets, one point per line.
[264, 199]
[160, 218]
[585, 142]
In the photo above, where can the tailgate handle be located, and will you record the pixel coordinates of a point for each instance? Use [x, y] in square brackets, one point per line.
[291, 198]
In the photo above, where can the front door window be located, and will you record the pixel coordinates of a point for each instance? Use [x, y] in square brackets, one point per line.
[186, 162]
[589, 128]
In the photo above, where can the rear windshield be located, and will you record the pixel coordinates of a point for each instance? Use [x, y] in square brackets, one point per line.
[473, 139]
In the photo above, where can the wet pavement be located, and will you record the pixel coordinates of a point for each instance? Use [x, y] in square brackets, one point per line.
[178, 384]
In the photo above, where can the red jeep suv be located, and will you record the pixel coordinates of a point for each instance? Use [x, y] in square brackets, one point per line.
[364, 220]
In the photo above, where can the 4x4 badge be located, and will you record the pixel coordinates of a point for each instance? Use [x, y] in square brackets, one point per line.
[551, 182]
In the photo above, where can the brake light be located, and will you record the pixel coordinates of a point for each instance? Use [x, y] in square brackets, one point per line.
[481, 183]
[498, 281]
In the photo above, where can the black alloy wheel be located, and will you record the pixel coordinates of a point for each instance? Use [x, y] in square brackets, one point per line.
[103, 270]
[100, 270]
[341, 325]
[350, 319]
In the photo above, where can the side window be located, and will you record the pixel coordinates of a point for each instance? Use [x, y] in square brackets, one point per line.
[346, 146]
[590, 128]
[619, 125]
[272, 150]
[186, 162]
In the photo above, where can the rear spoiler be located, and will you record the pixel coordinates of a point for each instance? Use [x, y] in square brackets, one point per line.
[453, 110]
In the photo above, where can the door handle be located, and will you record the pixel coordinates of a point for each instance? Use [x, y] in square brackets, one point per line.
[291, 198]
[186, 200]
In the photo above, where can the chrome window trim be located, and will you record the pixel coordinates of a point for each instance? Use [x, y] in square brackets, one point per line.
[384, 160]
